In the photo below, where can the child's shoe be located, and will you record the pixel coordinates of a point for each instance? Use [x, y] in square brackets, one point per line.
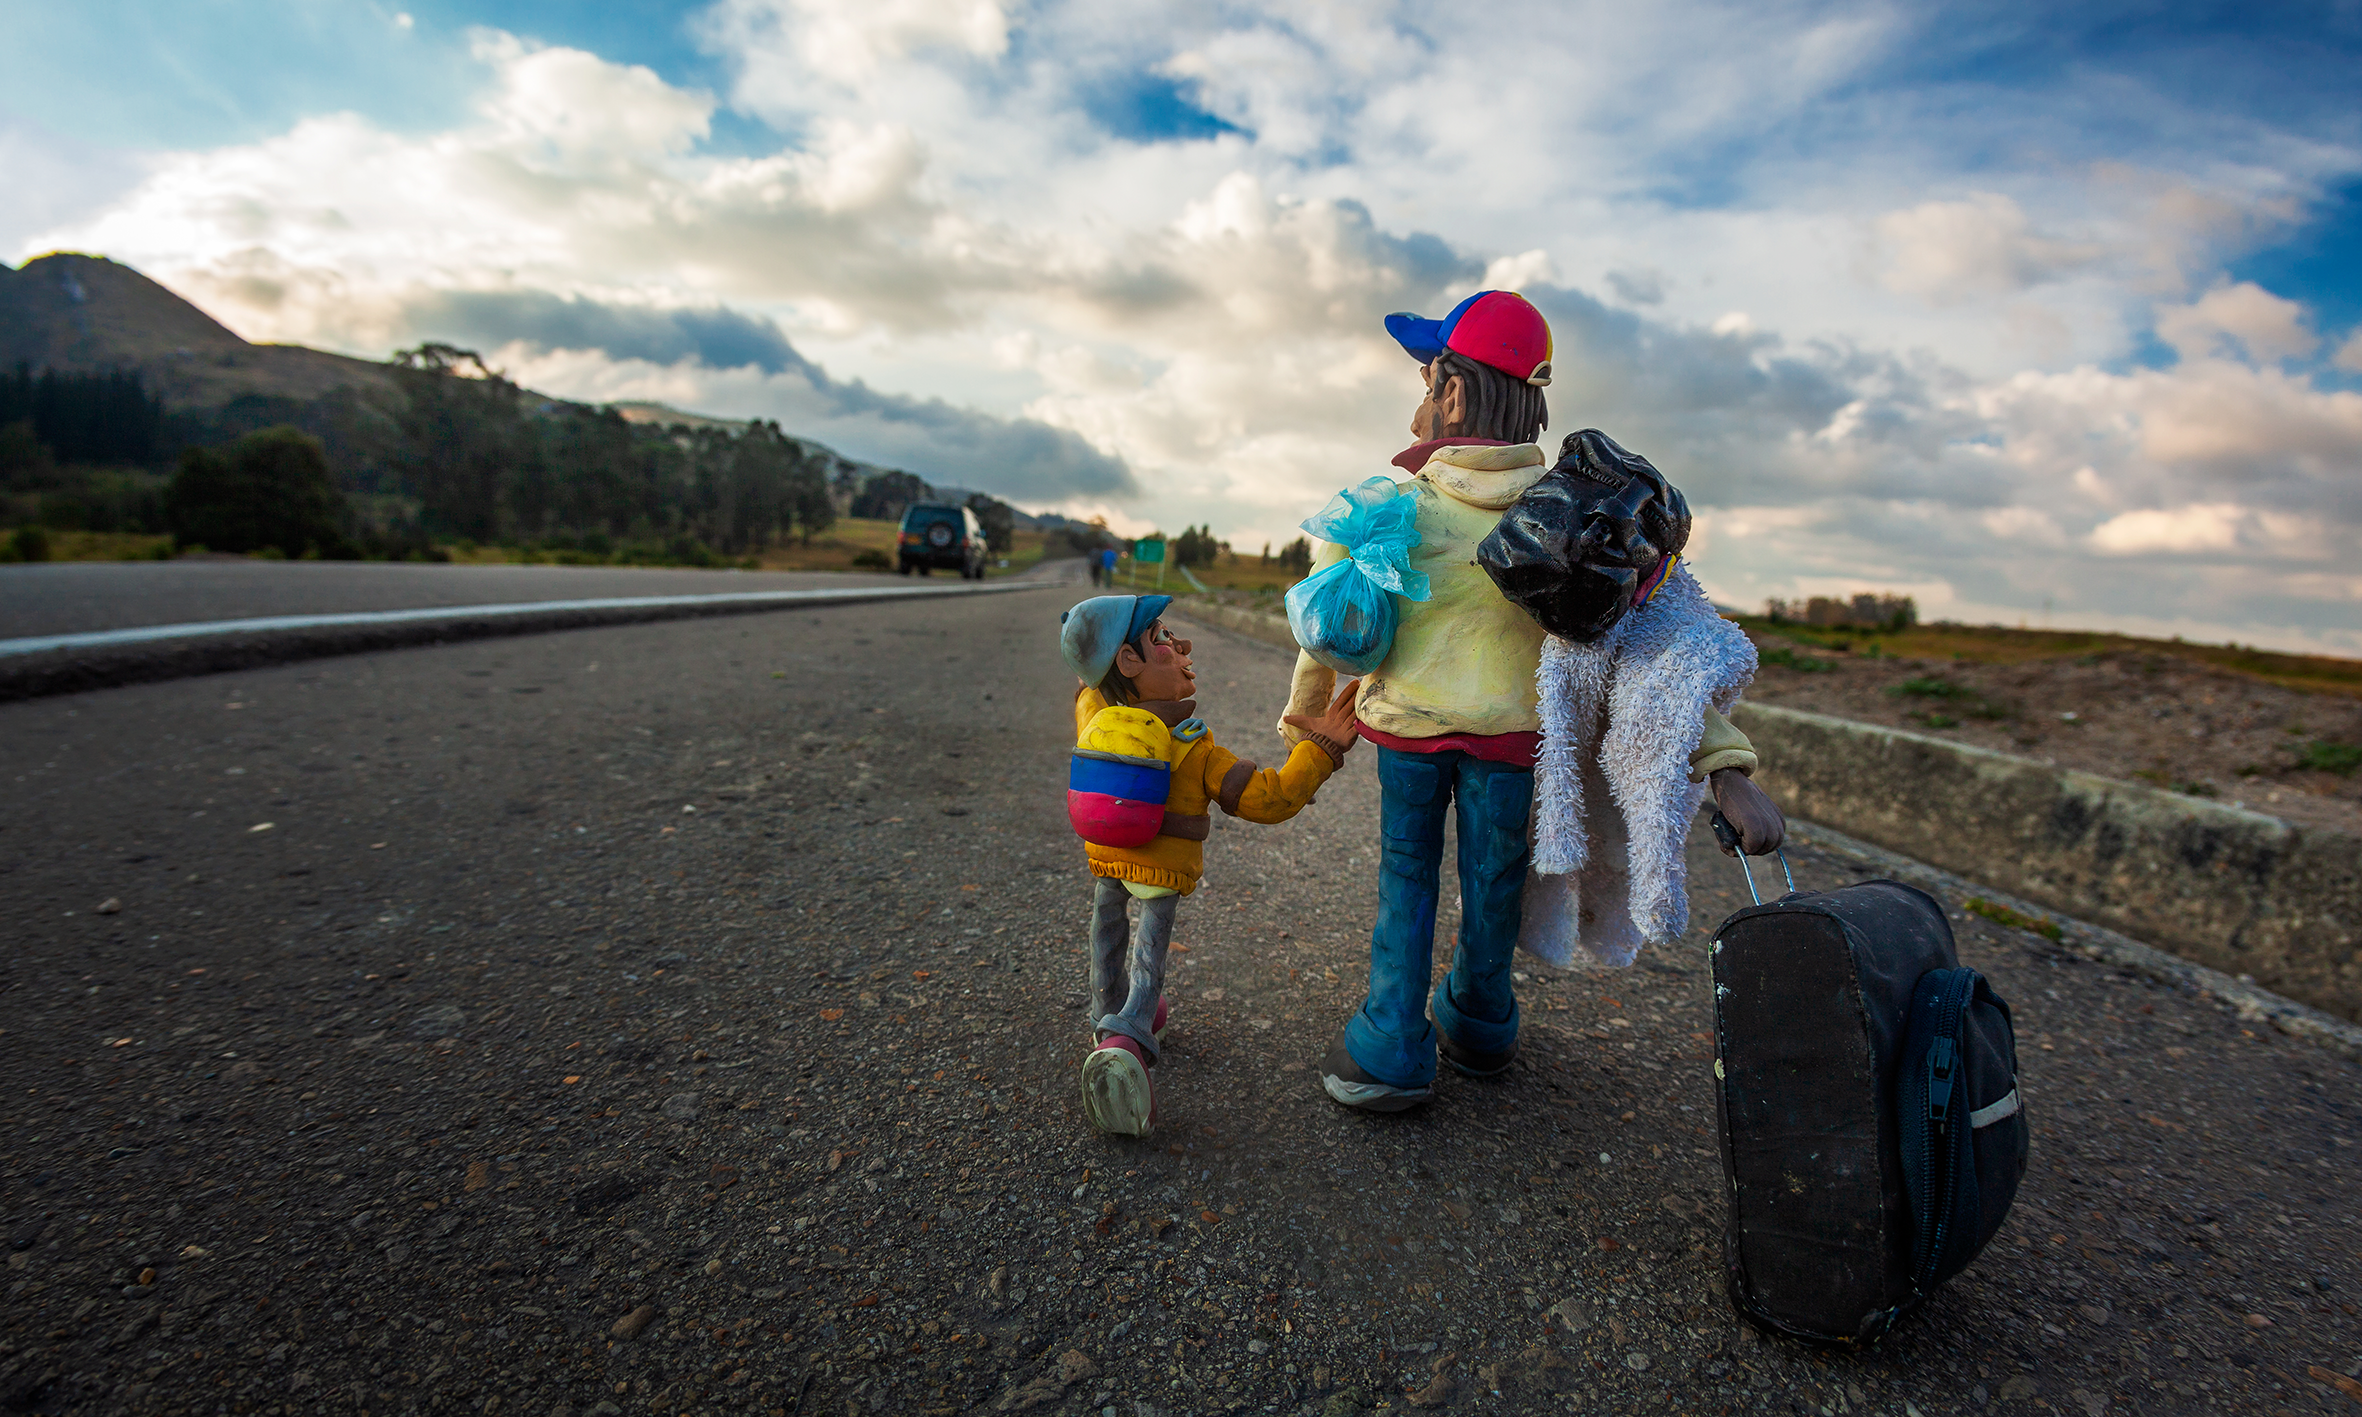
[1116, 1091]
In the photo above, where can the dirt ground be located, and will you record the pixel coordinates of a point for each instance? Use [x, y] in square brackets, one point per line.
[2147, 717]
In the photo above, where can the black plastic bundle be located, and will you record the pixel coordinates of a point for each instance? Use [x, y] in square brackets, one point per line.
[1574, 550]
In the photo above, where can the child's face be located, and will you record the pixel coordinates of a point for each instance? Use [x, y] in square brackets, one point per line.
[1164, 672]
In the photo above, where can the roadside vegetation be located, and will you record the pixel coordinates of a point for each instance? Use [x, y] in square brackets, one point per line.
[456, 463]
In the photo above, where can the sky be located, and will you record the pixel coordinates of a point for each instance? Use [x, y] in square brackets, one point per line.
[2038, 313]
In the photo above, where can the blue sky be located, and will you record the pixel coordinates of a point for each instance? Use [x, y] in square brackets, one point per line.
[1999, 305]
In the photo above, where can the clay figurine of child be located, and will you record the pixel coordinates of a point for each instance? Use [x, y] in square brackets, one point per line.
[1137, 704]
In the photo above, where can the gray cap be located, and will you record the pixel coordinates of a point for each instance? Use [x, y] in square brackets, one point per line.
[1094, 630]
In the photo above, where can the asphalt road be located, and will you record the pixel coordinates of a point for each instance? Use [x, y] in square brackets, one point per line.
[686, 1018]
[71, 597]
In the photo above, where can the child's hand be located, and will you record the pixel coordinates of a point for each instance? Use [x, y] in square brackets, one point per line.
[1335, 731]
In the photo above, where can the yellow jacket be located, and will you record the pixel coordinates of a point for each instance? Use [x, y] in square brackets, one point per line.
[1205, 774]
[1464, 659]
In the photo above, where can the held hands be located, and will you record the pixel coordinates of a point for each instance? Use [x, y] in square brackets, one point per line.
[1761, 826]
[1337, 730]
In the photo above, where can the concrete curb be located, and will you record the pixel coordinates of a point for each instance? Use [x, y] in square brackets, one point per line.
[70, 664]
[2249, 999]
[2237, 891]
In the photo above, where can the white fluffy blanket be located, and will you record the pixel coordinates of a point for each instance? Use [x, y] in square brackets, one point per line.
[1619, 721]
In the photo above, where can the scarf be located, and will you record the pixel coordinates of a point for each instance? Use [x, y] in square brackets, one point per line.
[1620, 719]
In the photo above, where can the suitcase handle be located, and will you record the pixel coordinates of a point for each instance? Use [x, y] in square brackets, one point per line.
[1728, 835]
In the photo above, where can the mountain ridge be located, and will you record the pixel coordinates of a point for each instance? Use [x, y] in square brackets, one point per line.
[81, 313]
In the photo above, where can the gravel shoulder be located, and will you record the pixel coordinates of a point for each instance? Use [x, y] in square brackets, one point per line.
[2170, 722]
[685, 1018]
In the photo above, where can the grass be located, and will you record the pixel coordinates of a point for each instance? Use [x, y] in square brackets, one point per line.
[1967, 700]
[1787, 656]
[2187, 787]
[94, 546]
[1234, 572]
[1993, 644]
[859, 544]
[2002, 915]
[1929, 687]
[2326, 755]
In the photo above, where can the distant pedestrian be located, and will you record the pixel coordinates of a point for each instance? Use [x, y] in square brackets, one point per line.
[1093, 558]
[1145, 775]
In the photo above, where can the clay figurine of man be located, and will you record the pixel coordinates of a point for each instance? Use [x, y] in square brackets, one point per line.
[1453, 712]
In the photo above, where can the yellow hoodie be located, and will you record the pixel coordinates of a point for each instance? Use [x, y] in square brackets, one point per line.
[1464, 660]
[1206, 774]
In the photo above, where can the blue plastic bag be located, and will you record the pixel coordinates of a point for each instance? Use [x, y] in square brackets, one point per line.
[1344, 615]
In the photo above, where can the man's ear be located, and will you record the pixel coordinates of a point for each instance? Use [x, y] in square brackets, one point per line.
[1451, 407]
[1128, 662]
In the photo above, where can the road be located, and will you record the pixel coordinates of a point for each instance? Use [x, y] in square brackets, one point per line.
[685, 1018]
[71, 597]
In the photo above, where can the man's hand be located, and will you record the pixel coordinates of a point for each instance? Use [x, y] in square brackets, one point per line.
[1337, 729]
[1751, 810]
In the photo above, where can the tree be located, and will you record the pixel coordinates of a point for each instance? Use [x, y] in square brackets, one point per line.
[1296, 556]
[106, 417]
[888, 495]
[999, 520]
[465, 441]
[268, 490]
[1196, 546]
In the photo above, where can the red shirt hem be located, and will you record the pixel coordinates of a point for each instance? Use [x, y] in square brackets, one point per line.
[1517, 749]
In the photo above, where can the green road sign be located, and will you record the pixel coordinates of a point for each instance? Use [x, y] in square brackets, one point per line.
[1149, 551]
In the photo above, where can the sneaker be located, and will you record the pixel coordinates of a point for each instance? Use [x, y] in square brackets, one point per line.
[1344, 1081]
[1163, 1012]
[1116, 1091]
[1472, 1063]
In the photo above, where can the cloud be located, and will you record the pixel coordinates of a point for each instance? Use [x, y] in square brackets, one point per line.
[2242, 321]
[1020, 459]
[2207, 526]
[2349, 354]
[1642, 287]
[714, 336]
[640, 352]
[837, 40]
[1953, 251]
[1875, 298]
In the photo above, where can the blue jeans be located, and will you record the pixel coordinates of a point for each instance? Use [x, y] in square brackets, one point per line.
[1390, 1038]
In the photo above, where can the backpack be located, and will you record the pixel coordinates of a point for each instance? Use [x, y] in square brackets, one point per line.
[1122, 772]
[1872, 1131]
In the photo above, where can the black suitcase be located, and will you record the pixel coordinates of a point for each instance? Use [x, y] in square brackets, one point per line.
[1866, 1087]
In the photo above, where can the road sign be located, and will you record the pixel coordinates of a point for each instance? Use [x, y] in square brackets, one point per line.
[1149, 551]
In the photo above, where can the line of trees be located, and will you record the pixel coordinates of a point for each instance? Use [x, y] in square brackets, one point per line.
[462, 454]
[104, 417]
[486, 461]
[1892, 613]
[1196, 546]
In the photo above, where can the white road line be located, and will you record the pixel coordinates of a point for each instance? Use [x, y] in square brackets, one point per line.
[145, 634]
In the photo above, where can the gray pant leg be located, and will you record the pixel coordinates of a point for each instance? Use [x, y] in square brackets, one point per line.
[1149, 943]
[1110, 924]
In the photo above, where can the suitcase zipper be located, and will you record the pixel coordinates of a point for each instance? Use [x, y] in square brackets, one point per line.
[1944, 1060]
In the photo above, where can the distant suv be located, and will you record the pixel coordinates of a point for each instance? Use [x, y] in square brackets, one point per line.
[940, 537]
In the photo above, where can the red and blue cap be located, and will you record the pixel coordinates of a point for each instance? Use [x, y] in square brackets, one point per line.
[1499, 328]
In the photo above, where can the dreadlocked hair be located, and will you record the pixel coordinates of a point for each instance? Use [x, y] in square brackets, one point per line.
[1499, 406]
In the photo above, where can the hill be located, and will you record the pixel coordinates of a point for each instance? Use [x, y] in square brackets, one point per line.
[81, 313]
